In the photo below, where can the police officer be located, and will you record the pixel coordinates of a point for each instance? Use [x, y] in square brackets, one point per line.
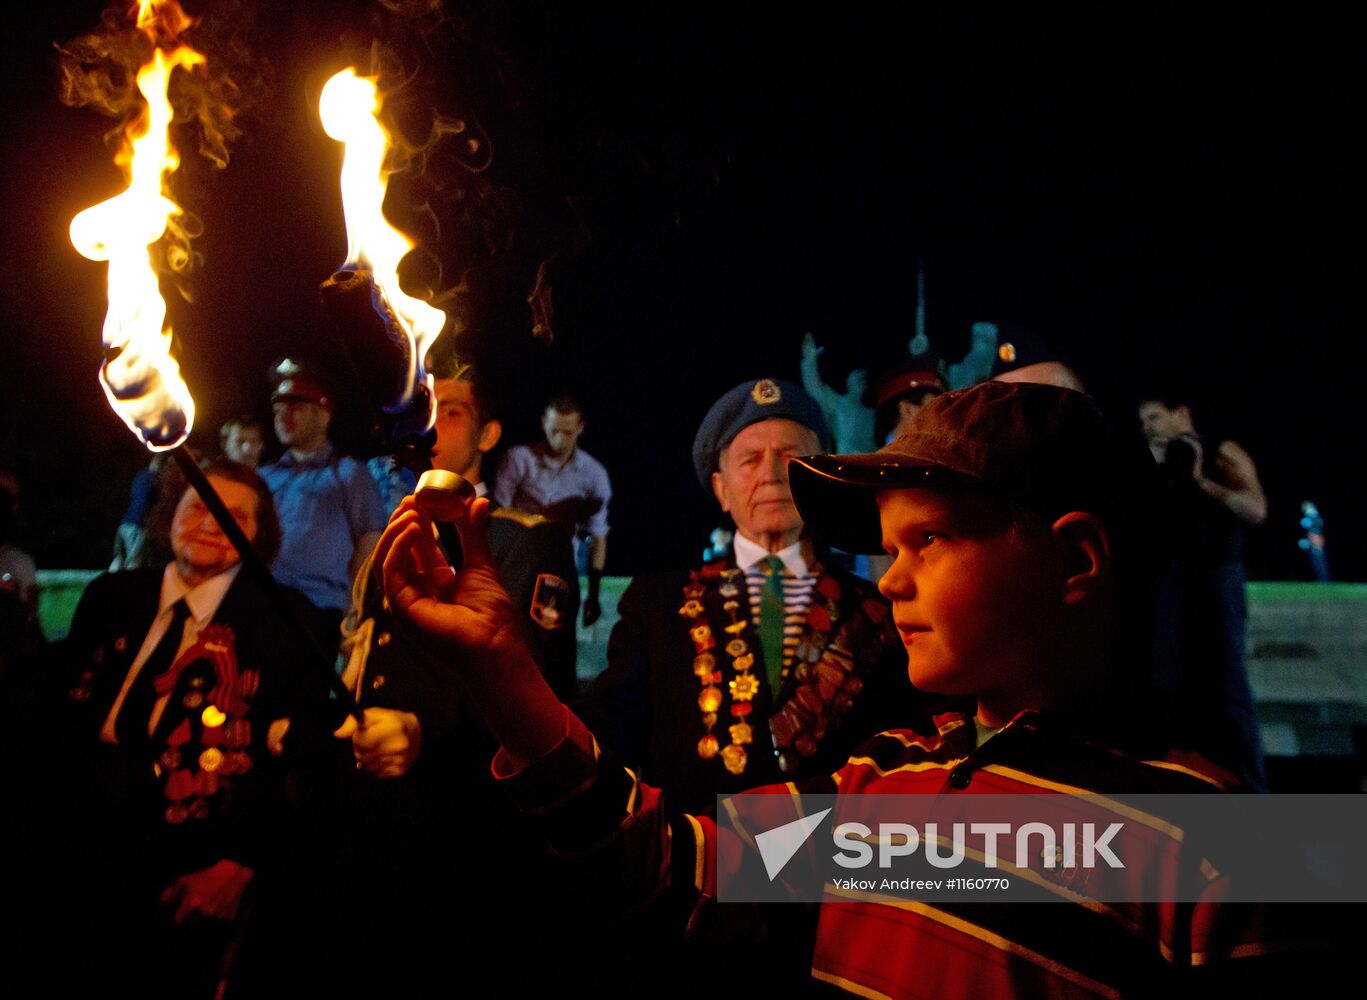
[330, 513]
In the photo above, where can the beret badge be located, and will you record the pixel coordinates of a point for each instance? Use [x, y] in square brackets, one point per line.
[766, 392]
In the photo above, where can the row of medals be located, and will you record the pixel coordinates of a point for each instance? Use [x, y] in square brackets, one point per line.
[743, 686]
[225, 741]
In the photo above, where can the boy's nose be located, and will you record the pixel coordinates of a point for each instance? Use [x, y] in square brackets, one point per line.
[896, 583]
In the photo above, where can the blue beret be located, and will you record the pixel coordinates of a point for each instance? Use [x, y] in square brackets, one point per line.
[749, 403]
[1019, 348]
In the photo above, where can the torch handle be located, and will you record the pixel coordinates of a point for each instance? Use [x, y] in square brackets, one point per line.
[261, 573]
[449, 540]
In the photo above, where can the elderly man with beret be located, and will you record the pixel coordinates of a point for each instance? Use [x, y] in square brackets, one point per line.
[765, 665]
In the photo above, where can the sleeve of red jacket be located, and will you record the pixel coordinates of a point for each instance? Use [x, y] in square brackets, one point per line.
[621, 832]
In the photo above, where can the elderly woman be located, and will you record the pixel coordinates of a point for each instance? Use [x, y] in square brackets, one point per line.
[175, 675]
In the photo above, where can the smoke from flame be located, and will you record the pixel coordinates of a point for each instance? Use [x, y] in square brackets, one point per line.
[349, 109]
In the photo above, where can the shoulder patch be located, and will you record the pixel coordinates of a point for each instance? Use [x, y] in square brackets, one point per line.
[551, 596]
[522, 517]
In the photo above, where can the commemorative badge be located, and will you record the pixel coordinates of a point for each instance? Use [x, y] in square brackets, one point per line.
[766, 393]
[734, 757]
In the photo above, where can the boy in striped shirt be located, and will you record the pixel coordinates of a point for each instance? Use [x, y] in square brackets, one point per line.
[1008, 511]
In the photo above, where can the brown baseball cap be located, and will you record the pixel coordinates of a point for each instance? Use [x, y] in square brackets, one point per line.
[1046, 449]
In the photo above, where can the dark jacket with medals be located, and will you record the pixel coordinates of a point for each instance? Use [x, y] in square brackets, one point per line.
[685, 698]
[202, 786]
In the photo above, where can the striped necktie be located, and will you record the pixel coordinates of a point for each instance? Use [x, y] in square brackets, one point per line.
[771, 622]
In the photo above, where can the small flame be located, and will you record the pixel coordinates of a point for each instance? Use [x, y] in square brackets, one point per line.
[140, 378]
[349, 108]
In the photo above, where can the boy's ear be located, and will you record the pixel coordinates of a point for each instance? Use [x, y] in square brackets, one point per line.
[1087, 554]
[489, 436]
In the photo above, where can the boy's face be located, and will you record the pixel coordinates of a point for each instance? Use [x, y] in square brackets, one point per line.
[973, 598]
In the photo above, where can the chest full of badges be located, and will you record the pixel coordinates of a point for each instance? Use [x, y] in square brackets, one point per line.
[821, 677]
[204, 737]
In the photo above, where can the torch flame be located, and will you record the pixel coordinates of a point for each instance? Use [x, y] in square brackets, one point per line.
[140, 378]
[349, 108]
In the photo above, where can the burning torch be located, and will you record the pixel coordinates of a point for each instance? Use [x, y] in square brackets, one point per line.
[386, 332]
[141, 379]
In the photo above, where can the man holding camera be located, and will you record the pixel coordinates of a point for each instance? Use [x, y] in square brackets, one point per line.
[1211, 495]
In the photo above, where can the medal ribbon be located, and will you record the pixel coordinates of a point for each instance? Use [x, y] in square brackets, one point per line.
[217, 644]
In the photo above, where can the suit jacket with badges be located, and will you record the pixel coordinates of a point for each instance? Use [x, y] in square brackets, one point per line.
[203, 786]
[685, 698]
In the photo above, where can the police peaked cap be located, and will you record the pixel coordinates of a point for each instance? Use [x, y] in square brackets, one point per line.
[295, 380]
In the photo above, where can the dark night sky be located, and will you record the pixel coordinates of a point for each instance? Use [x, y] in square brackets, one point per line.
[1160, 195]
